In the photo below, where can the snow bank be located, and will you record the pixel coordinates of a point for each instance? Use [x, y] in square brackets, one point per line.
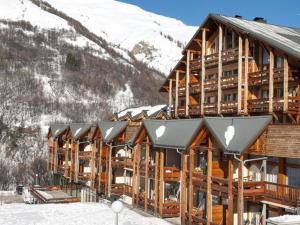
[286, 219]
[71, 214]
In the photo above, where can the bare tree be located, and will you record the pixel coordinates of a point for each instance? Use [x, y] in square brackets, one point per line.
[5, 178]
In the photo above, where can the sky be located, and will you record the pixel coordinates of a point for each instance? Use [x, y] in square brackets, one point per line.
[193, 12]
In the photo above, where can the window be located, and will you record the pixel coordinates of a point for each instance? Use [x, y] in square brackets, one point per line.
[293, 176]
[278, 92]
[265, 59]
[278, 62]
[265, 94]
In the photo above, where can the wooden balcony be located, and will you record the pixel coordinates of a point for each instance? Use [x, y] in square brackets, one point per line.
[198, 216]
[117, 189]
[60, 151]
[171, 174]
[259, 78]
[211, 85]
[127, 190]
[258, 105]
[211, 60]
[230, 55]
[103, 177]
[171, 209]
[181, 111]
[282, 194]
[278, 104]
[229, 82]
[194, 110]
[121, 162]
[294, 105]
[61, 169]
[84, 176]
[229, 107]
[195, 88]
[195, 64]
[210, 108]
[85, 154]
[218, 185]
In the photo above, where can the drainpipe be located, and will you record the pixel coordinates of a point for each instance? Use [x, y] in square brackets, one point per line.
[242, 185]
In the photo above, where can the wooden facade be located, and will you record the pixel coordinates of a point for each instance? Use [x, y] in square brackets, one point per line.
[230, 75]
[226, 71]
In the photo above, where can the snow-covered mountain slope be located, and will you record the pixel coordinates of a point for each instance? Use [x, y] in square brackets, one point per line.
[151, 38]
[154, 39]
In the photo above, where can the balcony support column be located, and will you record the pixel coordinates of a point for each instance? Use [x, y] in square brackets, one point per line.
[203, 53]
[271, 80]
[187, 83]
[209, 174]
[246, 75]
[220, 69]
[156, 177]
[191, 191]
[176, 93]
[240, 201]
[183, 191]
[109, 171]
[55, 157]
[76, 161]
[170, 95]
[230, 191]
[72, 161]
[67, 159]
[92, 178]
[100, 166]
[285, 84]
[240, 70]
[147, 173]
[161, 182]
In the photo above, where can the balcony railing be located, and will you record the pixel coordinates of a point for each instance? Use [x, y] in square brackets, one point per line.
[229, 107]
[60, 151]
[171, 209]
[294, 105]
[171, 174]
[259, 78]
[230, 55]
[211, 85]
[229, 82]
[258, 105]
[195, 88]
[118, 189]
[84, 175]
[121, 162]
[284, 194]
[196, 64]
[211, 60]
[210, 108]
[84, 154]
[194, 110]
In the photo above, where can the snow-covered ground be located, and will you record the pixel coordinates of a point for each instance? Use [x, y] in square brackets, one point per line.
[71, 214]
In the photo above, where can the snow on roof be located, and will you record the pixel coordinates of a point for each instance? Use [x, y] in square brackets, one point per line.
[286, 219]
[149, 110]
[285, 38]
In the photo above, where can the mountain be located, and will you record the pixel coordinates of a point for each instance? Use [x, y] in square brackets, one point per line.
[77, 61]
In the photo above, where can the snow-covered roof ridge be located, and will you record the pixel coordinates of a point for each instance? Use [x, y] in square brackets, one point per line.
[136, 111]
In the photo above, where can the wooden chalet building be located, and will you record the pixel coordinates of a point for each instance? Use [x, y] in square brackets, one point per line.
[233, 67]
[228, 152]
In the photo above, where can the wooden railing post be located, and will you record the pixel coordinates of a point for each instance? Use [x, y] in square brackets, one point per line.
[285, 84]
[240, 70]
[161, 182]
[240, 202]
[271, 80]
[76, 161]
[246, 75]
[170, 95]
[147, 174]
[203, 53]
[230, 191]
[191, 191]
[100, 166]
[183, 192]
[156, 177]
[187, 84]
[176, 93]
[220, 69]
[209, 193]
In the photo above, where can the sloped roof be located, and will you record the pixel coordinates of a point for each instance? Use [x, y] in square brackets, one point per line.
[58, 129]
[285, 38]
[135, 113]
[246, 131]
[111, 129]
[176, 134]
[78, 129]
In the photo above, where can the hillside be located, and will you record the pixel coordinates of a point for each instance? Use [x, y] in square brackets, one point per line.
[56, 66]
